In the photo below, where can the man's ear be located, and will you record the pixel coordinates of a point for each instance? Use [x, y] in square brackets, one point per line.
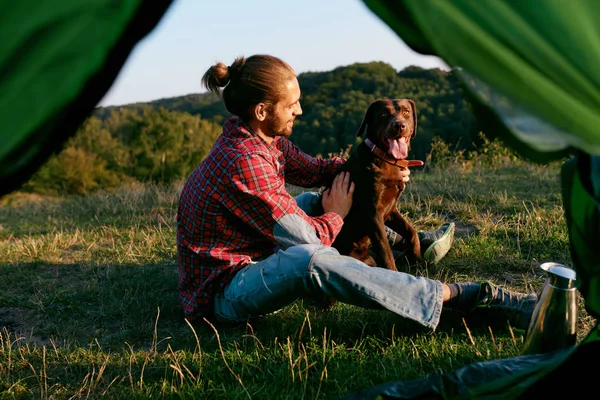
[260, 111]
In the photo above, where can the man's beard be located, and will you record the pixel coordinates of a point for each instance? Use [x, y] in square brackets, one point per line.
[279, 128]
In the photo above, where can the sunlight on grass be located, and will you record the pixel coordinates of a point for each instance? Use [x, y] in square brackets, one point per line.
[89, 302]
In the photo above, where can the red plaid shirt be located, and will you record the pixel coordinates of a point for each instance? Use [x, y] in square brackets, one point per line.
[230, 204]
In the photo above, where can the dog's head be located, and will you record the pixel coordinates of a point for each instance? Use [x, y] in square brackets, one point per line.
[391, 124]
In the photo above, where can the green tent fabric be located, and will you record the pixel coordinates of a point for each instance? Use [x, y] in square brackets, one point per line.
[564, 374]
[581, 202]
[540, 55]
[57, 60]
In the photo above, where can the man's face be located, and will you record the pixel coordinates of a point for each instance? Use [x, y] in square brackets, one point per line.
[280, 120]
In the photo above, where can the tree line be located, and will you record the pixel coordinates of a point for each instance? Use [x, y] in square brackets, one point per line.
[165, 139]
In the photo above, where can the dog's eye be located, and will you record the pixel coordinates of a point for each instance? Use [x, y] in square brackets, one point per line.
[383, 113]
[406, 112]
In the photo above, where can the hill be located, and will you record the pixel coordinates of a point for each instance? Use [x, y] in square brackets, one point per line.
[334, 103]
[165, 139]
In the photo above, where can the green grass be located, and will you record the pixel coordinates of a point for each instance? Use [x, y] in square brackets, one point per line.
[89, 306]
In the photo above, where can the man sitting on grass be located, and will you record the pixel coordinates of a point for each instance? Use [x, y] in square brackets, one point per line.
[247, 248]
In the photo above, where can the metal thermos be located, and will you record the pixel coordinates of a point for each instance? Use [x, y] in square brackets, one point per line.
[553, 325]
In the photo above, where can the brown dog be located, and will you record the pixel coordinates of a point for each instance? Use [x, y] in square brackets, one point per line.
[375, 170]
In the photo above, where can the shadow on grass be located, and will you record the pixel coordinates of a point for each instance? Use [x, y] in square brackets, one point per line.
[115, 306]
[84, 303]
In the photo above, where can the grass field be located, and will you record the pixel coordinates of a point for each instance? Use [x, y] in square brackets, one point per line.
[89, 306]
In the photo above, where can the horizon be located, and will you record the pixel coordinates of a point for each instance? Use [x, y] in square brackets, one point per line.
[205, 91]
[317, 37]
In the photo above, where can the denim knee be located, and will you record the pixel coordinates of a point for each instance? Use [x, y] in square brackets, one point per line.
[324, 256]
[303, 254]
[310, 203]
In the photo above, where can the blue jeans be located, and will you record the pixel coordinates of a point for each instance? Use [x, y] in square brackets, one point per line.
[312, 270]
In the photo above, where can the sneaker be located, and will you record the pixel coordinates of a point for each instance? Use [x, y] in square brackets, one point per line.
[502, 305]
[437, 243]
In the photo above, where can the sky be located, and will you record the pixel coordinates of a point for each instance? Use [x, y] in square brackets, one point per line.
[311, 35]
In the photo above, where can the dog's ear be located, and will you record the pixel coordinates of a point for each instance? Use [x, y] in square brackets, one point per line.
[414, 115]
[366, 120]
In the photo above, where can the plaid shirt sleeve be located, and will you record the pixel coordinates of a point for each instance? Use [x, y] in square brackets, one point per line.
[307, 171]
[256, 195]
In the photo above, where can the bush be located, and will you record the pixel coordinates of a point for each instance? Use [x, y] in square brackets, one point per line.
[73, 171]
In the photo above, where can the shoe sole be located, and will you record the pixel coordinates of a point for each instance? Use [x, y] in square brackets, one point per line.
[438, 249]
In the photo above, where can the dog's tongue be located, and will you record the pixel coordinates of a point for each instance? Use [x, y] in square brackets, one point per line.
[398, 148]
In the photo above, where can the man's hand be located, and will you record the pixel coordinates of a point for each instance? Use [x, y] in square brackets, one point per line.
[405, 172]
[338, 199]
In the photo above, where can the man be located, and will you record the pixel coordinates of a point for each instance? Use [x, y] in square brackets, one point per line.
[247, 248]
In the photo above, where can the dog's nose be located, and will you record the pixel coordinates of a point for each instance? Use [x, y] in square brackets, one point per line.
[400, 125]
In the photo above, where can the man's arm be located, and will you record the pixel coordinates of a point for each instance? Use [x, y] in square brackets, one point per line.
[256, 195]
[304, 170]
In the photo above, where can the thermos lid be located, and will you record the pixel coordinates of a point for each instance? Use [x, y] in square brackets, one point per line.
[560, 275]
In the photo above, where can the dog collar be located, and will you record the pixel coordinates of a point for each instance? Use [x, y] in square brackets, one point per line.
[382, 155]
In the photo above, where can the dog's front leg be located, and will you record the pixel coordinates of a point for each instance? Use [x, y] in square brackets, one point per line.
[381, 247]
[412, 246]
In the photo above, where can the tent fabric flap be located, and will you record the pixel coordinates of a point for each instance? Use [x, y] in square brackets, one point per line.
[55, 68]
[543, 59]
